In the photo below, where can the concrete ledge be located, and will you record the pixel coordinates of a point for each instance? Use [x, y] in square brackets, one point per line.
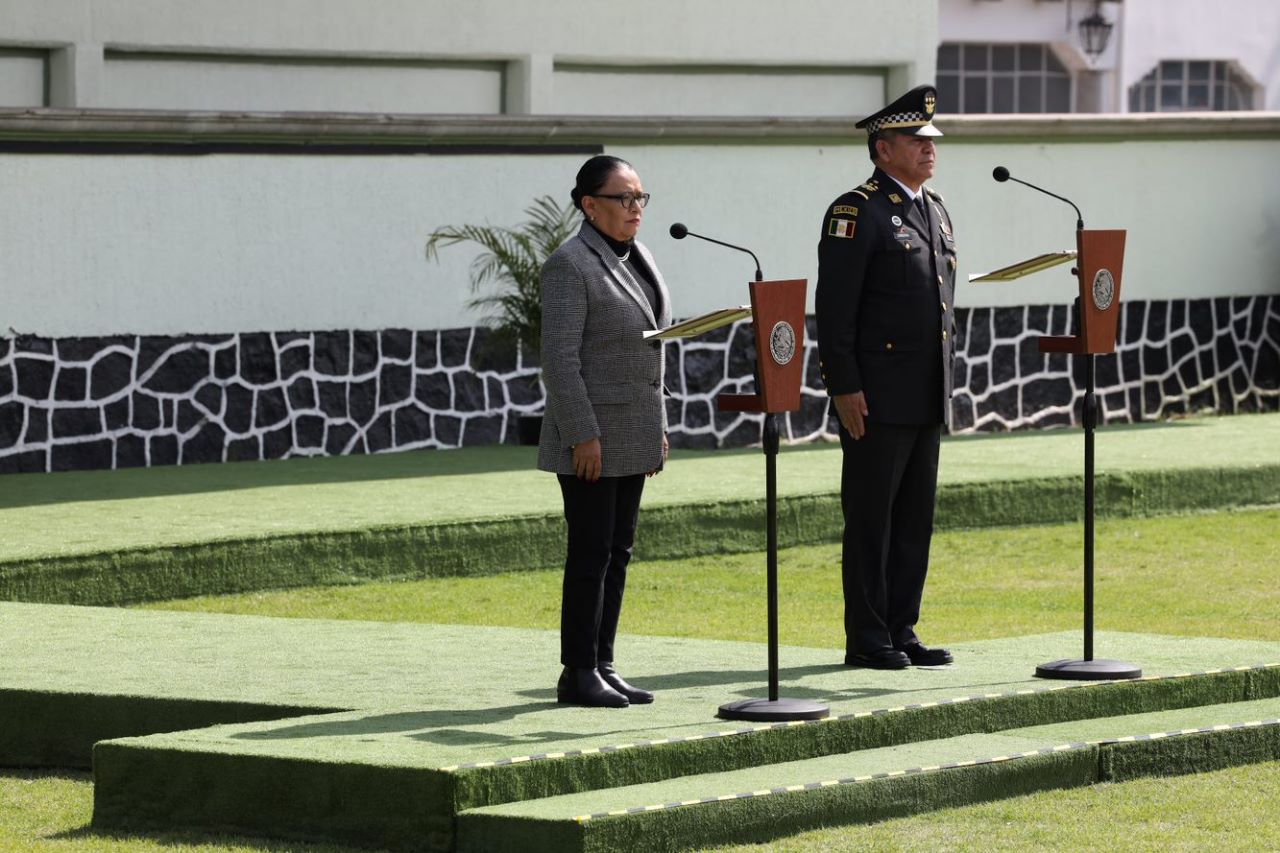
[288, 129]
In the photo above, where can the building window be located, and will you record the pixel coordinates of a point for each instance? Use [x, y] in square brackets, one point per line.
[1175, 85]
[1002, 78]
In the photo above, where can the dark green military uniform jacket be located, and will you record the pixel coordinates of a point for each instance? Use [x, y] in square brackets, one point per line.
[885, 302]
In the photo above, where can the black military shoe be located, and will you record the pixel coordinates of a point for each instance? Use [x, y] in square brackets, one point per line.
[922, 655]
[634, 695]
[879, 659]
[586, 687]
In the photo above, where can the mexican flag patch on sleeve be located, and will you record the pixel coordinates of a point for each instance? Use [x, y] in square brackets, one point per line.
[841, 228]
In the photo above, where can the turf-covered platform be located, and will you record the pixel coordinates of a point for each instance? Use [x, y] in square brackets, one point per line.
[112, 537]
[448, 737]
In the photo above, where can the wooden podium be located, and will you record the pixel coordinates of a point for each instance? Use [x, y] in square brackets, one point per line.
[1099, 266]
[777, 312]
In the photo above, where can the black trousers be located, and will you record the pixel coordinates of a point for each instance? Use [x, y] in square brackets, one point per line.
[602, 520]
[888, 487]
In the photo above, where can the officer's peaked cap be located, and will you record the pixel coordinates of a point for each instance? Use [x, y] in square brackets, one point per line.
[911, 114]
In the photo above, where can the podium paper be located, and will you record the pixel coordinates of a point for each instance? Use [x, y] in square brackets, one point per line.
[1021, 268]
[703, 323]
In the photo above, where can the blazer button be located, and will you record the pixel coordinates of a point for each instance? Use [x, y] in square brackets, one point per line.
[944, 336]
[944, 307]
[939, 279]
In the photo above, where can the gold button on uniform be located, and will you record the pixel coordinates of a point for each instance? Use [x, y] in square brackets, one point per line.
[944, 306]
[944, 336]
[939, 279]
[888, 346]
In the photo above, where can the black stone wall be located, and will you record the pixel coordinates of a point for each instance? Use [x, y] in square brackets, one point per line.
[81, 403]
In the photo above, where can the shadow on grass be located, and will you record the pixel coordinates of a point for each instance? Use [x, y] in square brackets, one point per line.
[192, 838]
[1025, 434]
[90, 838]
[161, 481]
[19, 490]
[459, 727]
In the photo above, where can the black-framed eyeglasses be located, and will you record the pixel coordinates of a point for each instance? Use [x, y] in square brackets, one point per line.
[627, 200]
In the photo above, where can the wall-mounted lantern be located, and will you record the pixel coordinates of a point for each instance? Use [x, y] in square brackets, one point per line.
[1095, 32]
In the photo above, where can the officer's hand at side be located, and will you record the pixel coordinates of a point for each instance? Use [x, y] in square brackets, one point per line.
[852, 411]
[586, 460]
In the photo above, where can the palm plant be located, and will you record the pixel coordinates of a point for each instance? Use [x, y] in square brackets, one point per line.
[512, 259]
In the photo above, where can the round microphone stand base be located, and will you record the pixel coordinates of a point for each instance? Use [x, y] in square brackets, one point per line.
[1100, 669]
[773, 710]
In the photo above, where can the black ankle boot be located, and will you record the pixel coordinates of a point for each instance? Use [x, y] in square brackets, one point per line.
[585, 687]
[634, 695]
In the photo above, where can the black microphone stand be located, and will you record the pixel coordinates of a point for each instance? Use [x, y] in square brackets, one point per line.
[773, 709]
[1088, 668]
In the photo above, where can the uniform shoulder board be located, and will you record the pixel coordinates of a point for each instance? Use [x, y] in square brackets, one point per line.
[934, 194]
[866, 189]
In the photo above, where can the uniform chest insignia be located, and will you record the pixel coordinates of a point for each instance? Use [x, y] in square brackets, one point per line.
[861, 193]
[896, 220]
[895, 198]
[844, 209]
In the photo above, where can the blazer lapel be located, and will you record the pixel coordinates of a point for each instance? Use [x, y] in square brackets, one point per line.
[664, 296]
[614, 265]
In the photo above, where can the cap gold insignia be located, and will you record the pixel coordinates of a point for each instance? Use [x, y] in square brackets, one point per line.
[929, 102]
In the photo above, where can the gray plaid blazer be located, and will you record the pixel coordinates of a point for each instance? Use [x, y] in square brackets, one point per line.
[602, 378]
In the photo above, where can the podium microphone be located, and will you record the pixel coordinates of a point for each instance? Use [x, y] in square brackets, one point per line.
[679, 231]
[1001, 174]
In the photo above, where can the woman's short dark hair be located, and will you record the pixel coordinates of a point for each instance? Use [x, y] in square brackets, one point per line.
[594, 174]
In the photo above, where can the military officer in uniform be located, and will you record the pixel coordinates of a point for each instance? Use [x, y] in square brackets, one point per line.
[885, 313]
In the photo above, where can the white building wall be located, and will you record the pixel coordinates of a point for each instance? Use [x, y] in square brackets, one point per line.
[22, 78]
[1247, 31]
[1032, 21]
[104, 244]
[245, 54]
[733, 91]
[175, 82]
[1146, 31]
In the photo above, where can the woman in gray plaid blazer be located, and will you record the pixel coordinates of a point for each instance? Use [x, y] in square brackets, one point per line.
[605, 427]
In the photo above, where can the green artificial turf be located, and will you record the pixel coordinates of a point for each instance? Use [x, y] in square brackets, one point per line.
[116, 537]
[763, 818]
[765, 802]
[429, 754]
[1158, 563]
[1149, 572]
[1233, 809]
[50, 811]
[334, 775]
[435, 697]
[443, 695]
[910, 756]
